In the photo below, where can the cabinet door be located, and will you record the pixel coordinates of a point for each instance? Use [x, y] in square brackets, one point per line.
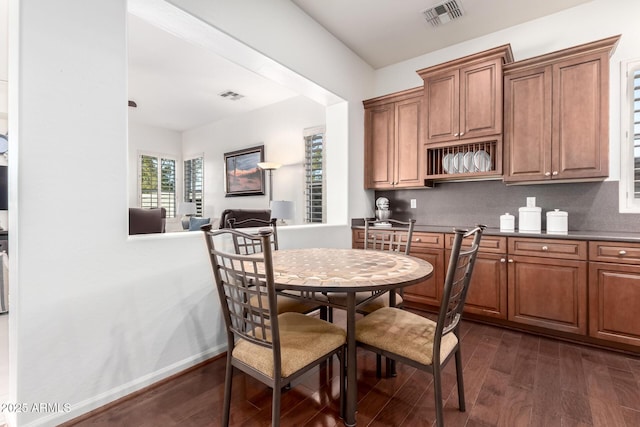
[548, 293]
[614, 290]
[409, 168]
[481, 99]
[442, 97]
[527, 116]
[581, 117]
[428, 292]
[379, 146]
[487, 293]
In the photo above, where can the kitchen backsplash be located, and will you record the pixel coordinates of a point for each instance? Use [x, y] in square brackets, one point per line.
[592, 206]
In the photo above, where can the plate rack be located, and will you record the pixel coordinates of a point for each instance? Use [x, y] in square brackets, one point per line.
[474, 159]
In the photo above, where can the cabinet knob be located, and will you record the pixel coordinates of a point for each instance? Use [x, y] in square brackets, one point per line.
[511, 261]
[547, 174]
[456, 134]
[545, 248]
[503, 260]
[461, 133]
[418, 239]
[622, 252]
[555, 173]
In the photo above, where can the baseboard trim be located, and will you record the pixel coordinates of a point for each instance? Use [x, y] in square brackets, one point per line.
[103, 401]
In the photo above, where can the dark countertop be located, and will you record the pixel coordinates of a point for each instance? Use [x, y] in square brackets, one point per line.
[615, 236]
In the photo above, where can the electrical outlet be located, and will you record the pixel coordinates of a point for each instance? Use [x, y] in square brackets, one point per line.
[413, 203]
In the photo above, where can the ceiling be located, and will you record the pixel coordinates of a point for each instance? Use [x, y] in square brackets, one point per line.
[177, 84]
[383, 32]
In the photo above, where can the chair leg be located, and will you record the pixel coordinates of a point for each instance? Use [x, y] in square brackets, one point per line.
[330, 314]
[378, 366]
[461, 403]
[343, 374]
[275, 406]
[323, 313]
[228, 378]
[437, 389]
[391, 368]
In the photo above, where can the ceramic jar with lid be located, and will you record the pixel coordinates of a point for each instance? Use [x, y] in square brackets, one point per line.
[507, 223]
[557, 222]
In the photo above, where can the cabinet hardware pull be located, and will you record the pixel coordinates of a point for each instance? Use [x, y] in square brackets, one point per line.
[510, 260]
[503, 260]
[418, 239]
[456, 134]
[461, 133]
[622, 252]
[555, 173]
[545, 248]
[547, 174]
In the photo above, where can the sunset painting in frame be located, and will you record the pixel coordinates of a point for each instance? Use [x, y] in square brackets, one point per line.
[242, 175]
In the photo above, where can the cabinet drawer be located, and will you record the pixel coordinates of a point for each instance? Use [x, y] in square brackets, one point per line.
[419, 240]
[618, 252]
[548, 248]
[488, 244]
[426, 240]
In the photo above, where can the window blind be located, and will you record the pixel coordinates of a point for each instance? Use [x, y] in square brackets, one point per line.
[636, 134]
[158, 183]
[315, 175]
[193, 183]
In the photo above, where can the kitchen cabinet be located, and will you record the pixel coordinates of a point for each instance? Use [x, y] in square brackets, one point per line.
[556, 115]
[487, 294]
[547, 283]
[463, 115]
[393, 137]
[614, 291]
[463, 98]
[430, 247]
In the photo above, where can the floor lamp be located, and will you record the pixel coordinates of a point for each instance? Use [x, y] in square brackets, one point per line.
[270, 167]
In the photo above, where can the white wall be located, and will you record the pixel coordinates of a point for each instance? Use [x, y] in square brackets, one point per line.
[592, 21]
[279, 128]
[96, 314]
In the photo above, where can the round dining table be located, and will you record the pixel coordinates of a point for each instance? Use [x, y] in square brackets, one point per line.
[314, 272]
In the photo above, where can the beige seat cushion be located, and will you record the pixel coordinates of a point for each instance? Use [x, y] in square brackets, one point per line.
[286, 304]
[403, 333]
[371, 306]
[303, 339]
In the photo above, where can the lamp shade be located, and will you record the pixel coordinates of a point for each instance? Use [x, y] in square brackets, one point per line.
[282, 209]
[268, 165]
[187, 208]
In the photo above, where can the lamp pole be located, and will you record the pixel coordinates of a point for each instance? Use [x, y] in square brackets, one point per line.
[270, 167]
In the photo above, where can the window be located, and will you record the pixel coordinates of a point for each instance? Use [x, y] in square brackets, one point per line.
[315, 176]
[630, 140]
[193, 181]
[157, 183]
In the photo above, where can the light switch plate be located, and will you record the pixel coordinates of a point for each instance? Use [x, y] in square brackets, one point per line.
[413, 203]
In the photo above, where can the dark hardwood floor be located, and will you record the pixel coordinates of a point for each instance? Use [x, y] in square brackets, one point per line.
[511, 379]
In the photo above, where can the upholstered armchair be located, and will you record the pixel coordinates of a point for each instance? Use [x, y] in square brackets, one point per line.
[146, 221]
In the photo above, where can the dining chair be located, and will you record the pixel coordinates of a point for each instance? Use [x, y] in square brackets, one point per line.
[270, 347]
[388, 235]
[420, 342]
[248, 246]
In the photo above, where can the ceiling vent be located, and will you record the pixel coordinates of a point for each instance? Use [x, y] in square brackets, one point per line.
[443, 12]
[231, 95]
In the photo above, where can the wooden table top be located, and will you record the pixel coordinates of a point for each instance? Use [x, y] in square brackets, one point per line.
[330, 269]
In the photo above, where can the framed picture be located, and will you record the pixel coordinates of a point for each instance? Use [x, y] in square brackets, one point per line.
[242, 175]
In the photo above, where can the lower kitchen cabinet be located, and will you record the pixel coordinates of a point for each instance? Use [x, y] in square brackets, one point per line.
[547, 283]
[428, 292]
[487, 295]
[548, 293]
[614, 292]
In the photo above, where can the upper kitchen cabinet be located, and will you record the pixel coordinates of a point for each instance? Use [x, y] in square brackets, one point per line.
[463, 98]
[393, 137]
[556, 113]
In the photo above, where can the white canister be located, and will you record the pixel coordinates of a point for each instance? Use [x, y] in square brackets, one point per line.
[507, 223]
[557, 222]
[529, 220]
